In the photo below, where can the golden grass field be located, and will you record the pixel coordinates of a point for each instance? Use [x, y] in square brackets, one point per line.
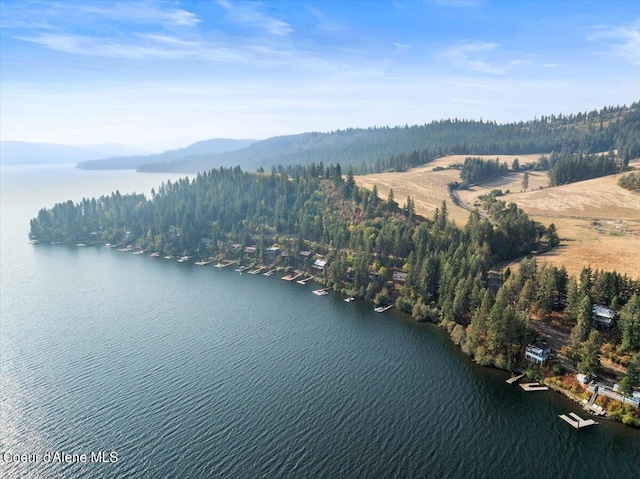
[597, 220]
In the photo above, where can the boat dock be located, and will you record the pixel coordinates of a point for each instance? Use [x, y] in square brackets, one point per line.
[184, 259]
[533, 387]
[576, 421]
[291, 278]
[304, 281]
[513, 379]
[224, 264]
[242, 268]
[322, 292]
[269, 273]
[257, 271]
[382, 309]
[204, 262]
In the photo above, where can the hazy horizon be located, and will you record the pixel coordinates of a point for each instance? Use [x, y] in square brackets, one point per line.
[161, 75]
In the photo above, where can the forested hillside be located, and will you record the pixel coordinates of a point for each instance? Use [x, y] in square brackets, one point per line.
[375, 150]
[363, 239]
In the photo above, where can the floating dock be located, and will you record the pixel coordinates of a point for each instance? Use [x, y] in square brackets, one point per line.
[304, 281]
[513, 379]
[269, 273]
[291, 278]
[224, 264]
[382, 309]
[242, 268]
[576, 421]
[322, 292]
[184, 259]
[534, 387]
[204, 262]
[257, 271]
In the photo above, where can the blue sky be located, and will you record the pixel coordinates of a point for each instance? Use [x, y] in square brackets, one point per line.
[163, 74]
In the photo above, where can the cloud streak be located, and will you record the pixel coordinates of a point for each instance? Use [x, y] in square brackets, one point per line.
[621, 42]
[250, 15]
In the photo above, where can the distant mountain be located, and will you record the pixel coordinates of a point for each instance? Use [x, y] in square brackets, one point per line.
[382, 149]
[27, 153]
[206, 147]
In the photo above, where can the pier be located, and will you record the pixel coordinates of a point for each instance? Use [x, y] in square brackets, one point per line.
[534, 387]
[224, 264]
[576, 421]
[269, 273]
[514, 379]
[257, 271]
[291, 278]
[322, 292]
[242, 268]
[304, 281]
[204, 262]
[382, 309]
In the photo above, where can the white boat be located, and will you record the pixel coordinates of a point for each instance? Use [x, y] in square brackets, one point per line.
[349, 299]
[184, 259]
[81, 244]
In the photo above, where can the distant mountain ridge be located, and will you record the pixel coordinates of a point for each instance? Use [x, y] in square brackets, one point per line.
[206, 147]
[374, 150]
[31, 153]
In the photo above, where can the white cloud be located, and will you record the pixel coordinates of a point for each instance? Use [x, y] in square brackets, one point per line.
[621, 41]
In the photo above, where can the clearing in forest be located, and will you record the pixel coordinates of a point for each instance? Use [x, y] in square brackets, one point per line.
[597, 220]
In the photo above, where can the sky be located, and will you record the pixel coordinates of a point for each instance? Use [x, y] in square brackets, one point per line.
[163, 74]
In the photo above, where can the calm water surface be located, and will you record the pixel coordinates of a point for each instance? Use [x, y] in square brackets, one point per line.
[186, 371]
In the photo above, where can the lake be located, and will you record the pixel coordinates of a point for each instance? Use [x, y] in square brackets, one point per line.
[153, 368]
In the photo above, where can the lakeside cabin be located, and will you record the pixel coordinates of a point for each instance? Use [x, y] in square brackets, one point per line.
[319, 264]
[538, 352]
[602, 317]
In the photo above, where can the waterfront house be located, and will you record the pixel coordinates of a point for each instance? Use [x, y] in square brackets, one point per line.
[272, 252]
[538, 352]
[602, 317]
[319, 264]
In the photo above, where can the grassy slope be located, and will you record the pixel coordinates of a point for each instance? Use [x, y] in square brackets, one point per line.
[597, 220]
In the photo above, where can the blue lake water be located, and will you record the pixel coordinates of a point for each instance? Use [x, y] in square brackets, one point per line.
[187, 371]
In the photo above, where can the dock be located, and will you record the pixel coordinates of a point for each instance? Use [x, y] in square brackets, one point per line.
[242, 268]
[382, 309]
[269, 273]
[184, 259]
[304, 281]
[513, 379]
[533, 387]
[322, 292]
[257, 271]
[224, 264]
[291, 278]
[204, 262]
[576, 421]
